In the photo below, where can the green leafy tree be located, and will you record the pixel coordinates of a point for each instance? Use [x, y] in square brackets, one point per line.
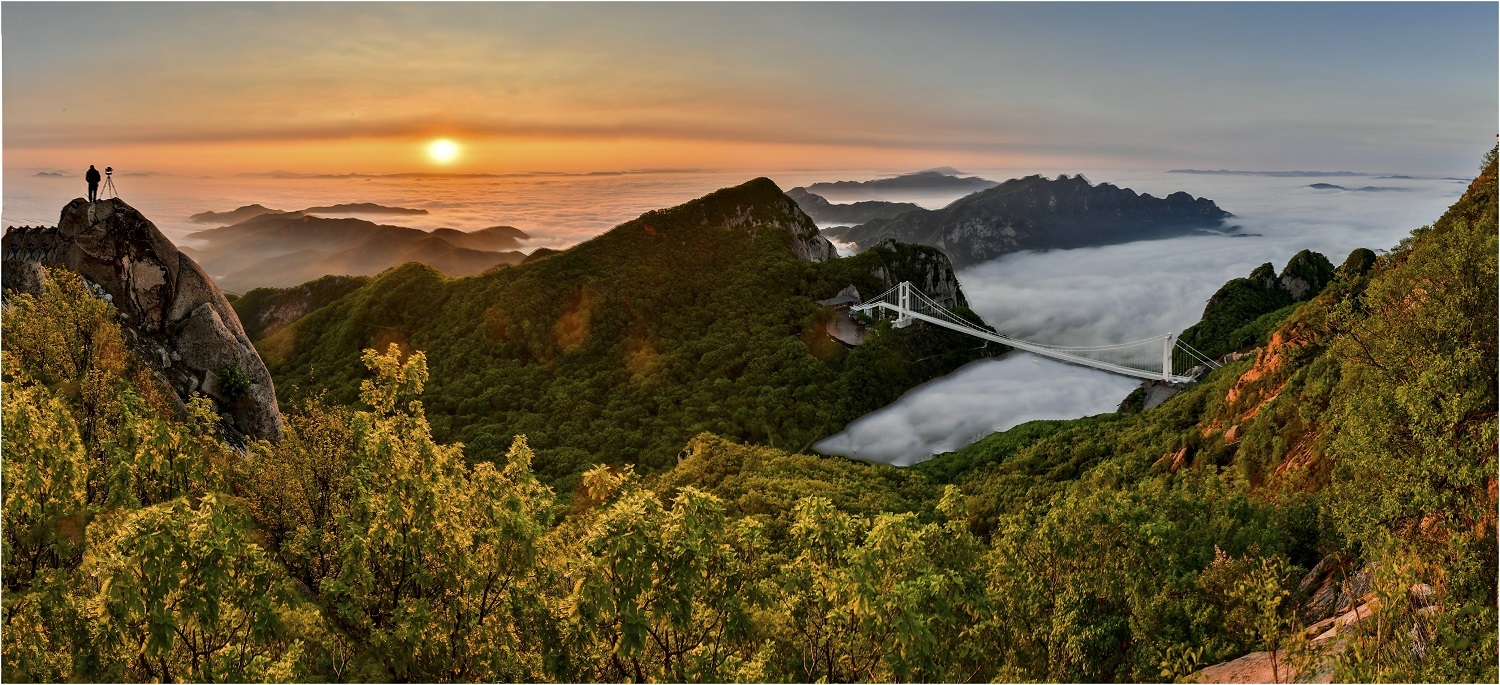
[435, 564]
[1420, 362]
[45, 474]
[659, 593]
[299, 487]
[873, 600]
[181, 591]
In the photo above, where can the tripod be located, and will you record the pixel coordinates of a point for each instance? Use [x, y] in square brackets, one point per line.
[108, 187]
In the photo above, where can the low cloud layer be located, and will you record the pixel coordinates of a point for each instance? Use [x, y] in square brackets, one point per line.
[1137, 290]
[1123, 293]
[985, 397]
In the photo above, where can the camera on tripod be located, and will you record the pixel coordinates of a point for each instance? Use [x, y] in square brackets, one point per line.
[109, 183]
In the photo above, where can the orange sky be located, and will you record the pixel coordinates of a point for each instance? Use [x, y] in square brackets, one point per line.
[481, 154]
[223, 88]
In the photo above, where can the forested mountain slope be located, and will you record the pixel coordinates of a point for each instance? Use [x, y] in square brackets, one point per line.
[690, 319]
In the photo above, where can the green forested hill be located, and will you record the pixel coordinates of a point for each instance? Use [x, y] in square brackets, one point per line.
[691, 319]
[1244, 311]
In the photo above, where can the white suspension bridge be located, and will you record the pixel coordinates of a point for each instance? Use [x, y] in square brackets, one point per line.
[1163, 357]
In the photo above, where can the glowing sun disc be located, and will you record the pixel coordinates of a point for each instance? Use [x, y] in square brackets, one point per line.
[442, 151]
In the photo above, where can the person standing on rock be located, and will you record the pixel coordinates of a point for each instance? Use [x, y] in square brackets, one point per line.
[93, 178]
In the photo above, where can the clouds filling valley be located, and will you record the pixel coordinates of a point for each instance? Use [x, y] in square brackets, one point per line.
[1122, 293]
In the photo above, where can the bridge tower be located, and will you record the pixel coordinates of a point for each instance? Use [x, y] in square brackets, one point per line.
[1169, 343]
[903, 319]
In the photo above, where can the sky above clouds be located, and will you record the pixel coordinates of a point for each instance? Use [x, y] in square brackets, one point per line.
[208, 88]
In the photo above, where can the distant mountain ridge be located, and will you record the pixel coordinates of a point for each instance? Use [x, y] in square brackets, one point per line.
[921, 181]
[821, 210]
[1036, 213]
[1288, 174]
[1366, 189]
[286, 249]
[233, 216]
[239, 214]
[364, 208]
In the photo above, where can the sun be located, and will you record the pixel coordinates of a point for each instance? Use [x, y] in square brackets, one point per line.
[442, 150]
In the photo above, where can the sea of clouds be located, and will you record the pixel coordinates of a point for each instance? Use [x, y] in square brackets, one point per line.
[1126, 292]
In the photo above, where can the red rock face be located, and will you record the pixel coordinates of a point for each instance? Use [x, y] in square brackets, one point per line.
[172, 312]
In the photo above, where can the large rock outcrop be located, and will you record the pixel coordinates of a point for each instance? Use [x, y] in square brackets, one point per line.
[889, 262]
[171, 310]
[928, 269]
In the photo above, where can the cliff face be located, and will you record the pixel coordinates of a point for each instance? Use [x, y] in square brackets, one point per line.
[1035, 213]
[877, 269]
[927, 269]
[172, 311]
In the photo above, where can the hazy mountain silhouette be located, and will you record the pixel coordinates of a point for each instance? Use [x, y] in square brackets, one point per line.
[921, 182]
[285, 249]
[235, 216]
[1366, 189]
[823, 211]
[1285, 174]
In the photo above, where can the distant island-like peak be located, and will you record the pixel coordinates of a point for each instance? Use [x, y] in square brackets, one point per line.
[929, 181]
[1037, 213]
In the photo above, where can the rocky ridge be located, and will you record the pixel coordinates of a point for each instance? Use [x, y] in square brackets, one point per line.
[750, 207]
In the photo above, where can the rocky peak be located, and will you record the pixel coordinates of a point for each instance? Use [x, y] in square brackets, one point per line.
[751, 207]
[1264, 275]
[171, 311]
[1306, 274]
[1358, 263]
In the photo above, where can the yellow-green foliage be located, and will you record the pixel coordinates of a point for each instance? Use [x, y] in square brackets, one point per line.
[121, 561]
[45, 475]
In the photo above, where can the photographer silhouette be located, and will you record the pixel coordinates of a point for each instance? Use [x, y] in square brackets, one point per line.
[92, 176]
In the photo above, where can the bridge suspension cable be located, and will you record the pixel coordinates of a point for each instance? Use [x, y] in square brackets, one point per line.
[1158, 358]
